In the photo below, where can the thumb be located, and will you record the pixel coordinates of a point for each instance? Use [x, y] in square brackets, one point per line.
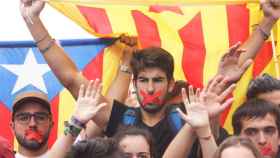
[101, 106]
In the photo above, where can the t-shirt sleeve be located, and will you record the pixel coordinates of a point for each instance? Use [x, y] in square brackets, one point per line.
[116, 118]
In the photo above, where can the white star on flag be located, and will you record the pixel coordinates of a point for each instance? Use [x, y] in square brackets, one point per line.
[28, 73]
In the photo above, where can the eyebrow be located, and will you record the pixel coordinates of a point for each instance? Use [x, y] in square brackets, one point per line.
[159, 77]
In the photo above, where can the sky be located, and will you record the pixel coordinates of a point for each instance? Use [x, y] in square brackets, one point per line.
[12, 26]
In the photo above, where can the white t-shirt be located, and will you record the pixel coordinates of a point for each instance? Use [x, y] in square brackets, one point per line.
[18, 155]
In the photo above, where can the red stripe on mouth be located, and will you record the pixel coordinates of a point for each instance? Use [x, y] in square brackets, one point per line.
[267, 150]
[151, 98]
[34, 135]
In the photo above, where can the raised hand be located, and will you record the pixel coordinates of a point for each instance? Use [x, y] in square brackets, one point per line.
[271, 8]
[197, 115]
[214, 98]
[229, 66]
[88, 103]
[31, 8]
[130, 47]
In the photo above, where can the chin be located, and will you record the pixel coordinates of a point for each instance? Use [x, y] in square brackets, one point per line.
[152, 108]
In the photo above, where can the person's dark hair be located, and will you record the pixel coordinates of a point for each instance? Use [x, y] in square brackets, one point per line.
[251, 109]
[262, 84]
[152, 57]
[124, 131]
[236, 141]
[98, 147]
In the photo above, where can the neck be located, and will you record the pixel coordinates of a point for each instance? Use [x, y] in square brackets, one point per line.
[30, 153]
[151, 119]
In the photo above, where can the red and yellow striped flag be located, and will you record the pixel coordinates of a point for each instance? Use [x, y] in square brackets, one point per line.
[196, 33]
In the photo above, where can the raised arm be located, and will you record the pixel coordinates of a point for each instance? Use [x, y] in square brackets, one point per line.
[200, 108]
[88, 105]
[62, 66]
[261, 33]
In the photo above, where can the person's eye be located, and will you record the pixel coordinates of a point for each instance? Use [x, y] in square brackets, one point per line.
[251, 132]
[269, 130]
[23, 117]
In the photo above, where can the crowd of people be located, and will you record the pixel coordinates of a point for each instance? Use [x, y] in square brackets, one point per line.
[171, 118]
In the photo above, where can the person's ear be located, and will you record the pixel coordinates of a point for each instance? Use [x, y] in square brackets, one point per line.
[12, 126]
[171, 85]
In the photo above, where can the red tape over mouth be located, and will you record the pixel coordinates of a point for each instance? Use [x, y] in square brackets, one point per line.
[34, 135]
[267, 150]
[151, 98]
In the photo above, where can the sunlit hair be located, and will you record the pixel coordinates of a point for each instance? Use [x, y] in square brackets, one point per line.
[237, 141]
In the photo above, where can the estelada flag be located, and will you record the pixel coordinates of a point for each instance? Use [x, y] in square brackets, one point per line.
[23, 68]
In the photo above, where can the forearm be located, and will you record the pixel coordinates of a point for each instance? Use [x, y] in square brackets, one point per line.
[62, 66]
[253, 44]
[61, 146]
[181, 144]
[91, 131]
[207, 142]
[120, 86]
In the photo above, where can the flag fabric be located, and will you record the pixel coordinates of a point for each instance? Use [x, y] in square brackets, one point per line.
[23, 68]
[196, 32]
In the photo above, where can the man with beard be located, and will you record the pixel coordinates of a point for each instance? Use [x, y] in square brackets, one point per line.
[31, 124]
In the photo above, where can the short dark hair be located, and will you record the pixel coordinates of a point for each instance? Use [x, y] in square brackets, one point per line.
[152, 57]
[124, 131]
[237, 141]
[98, 147]
[254, 108]
[262, 84]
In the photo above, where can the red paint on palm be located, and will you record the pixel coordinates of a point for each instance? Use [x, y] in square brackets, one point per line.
[151, 98]
[267, 150]
[34, 135]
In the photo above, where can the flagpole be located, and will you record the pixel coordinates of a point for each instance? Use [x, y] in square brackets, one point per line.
[275, 58]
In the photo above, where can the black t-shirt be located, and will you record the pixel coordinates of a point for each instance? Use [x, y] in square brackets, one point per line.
[161, 132]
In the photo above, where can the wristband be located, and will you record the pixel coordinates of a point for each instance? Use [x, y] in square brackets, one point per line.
[206, 137]
[71, 129]
[76, 122]
[41, 39]
[264, 34]
[49, 45]
[125, 69]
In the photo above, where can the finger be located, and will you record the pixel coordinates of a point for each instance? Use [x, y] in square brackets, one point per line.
[234, 48]
[98, 92]
[94, 87]
[214, 83]
[133, 41]
[191, 94]
[181, 113]
[221, 85]
[185, 97]
[226, 92]
[81, 91]
[202, 95]
[197, 93]
[225, 105]
[245, 66]
[88, 89]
